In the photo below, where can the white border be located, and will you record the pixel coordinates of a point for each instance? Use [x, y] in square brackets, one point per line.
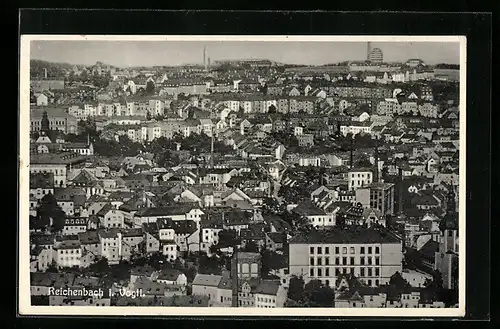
[25, 307]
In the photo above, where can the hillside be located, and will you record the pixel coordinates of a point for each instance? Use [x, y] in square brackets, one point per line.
[54, 70]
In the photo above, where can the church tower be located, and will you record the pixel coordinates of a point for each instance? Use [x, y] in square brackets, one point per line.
[446, 260]
[45, 124]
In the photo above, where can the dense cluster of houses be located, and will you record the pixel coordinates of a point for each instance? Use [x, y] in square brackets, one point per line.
[124, 208]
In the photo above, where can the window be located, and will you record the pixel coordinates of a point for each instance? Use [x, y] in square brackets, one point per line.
[377, 250]
[377, 260]
[369, 282]
[450, 233]
[311, 272]
[311, 261]
[352, 250]
[327, 272]
[327, 250]
[352, 260]
[369, 271]
[337, 260]
[337, 271]
[327, 282]
[369, 261]
[320, 272]
[311, 250]
[319, 261]
[337, 250]
[327, 260]
[362, 259]
[369, 250]
[362, 273]
[377, 282]
[319, 250]
[377, 271]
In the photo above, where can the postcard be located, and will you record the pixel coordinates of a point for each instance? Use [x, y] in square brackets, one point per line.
[302, 176]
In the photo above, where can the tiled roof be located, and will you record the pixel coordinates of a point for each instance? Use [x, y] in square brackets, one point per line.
[351, 235]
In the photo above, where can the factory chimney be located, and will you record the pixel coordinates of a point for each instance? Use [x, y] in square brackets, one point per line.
[400, 190]
[205, 57]
[376, 172]
[368, 50]
[234, 277]
[212, 148]
[352, 154]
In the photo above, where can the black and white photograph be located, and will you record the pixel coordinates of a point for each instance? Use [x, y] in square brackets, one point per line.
[242, 175]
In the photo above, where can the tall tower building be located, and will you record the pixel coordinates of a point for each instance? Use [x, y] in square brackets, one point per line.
[45, 123]
[368, 50]
[205, 57]
[376, 56]
[446, 258]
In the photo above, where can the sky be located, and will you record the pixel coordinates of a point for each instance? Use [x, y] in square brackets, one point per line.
[172, 53]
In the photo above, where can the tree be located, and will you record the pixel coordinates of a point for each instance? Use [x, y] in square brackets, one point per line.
[271, 109]
[52, 268]
[296, 288]
[398, 281]
[319, 295]
[251, 246]
[148, 115]
[49, 213]
[228, 238]
[101, 267]
[150, 87]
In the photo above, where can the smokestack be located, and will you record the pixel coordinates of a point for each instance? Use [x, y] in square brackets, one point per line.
[352, 155]
[400, 191]
[205, 57]
[234, 277]
[212, 148]
[368, 50]
[377, 178]
[45, 73]
[208, 63]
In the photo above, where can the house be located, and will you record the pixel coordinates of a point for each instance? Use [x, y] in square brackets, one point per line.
[110, 217]
[316, 216]
[270, 294]
[207, 285]
[41, 184]
[359, 177]
[172, 277]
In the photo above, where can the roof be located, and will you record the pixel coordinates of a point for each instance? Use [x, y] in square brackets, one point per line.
[308, 208]
[267, 287]
[350, 235]
[209, 280]
[169, 274]
[69, 244]
[42, 180]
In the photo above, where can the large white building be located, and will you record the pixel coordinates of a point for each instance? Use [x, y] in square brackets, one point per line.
[372, 255]
[359, 177]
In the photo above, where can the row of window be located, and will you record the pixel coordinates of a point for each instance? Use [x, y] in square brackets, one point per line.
[70, 251]
[345, 250]
[368, 282]
[266, 300]
[344, 261]
[68, 258]
[363, 271]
